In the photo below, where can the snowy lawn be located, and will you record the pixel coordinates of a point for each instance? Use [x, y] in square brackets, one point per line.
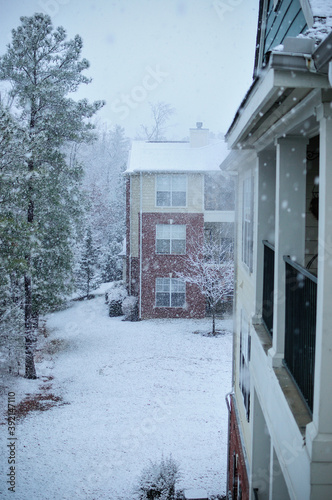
[132, 392]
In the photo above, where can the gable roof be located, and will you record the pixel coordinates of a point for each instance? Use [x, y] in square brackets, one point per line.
[175, 157]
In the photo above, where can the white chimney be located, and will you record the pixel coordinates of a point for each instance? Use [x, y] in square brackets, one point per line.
[199, 136]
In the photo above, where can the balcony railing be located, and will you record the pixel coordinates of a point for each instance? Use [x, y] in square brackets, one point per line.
[268, 286]
[300, 327]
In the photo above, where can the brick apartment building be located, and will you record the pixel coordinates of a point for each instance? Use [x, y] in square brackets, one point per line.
[176, 194]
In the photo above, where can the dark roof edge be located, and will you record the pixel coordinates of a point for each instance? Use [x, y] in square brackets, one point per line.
[322, 56]
[244, 100]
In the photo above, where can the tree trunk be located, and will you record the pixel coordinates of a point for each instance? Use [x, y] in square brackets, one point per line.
[30, 335]
[88, 285]
[213, 321]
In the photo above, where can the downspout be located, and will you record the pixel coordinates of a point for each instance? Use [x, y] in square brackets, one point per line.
[140, 247]
[129, 238]
[232, 392]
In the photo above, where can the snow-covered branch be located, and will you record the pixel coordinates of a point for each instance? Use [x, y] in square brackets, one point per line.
[210, 267]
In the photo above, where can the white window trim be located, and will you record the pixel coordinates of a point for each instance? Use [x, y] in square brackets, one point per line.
[170, 292]
[215, 210]
[245, 353]
[171, 206]
[250, 257]
[172, 239]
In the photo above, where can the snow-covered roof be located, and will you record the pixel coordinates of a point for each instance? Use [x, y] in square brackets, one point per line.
[322, 20]
[175, 157]
[321, 8]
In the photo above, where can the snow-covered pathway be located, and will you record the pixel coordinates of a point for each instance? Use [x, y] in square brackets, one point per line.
[134, 391]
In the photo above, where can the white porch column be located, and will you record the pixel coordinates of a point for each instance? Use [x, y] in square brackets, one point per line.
[290, 227]
[319, 431]
[260, 452]
[278, 487]
[265, 203]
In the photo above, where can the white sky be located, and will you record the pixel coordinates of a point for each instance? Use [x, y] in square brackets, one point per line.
[196, 55]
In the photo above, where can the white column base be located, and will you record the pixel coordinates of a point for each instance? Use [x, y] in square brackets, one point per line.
[275, 358]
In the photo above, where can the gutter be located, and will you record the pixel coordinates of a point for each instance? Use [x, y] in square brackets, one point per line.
[299, 55]
[322, 57]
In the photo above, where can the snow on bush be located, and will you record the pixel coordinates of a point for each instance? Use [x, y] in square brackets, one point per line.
[130, 308]
[116, 291]
[158, 480]
[114, 297]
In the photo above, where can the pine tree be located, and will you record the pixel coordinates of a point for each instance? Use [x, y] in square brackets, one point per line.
[12, 241]
[104, 163]
[43, 68]
[88, 276]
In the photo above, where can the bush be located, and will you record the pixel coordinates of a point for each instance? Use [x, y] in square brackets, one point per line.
[115, 308]
[114, 296]
[130, 308]
[116, 291]
[158, 480]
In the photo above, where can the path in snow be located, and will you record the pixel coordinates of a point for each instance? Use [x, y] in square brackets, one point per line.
[135, 391]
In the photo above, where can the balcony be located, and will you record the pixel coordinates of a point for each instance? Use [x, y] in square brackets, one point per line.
[300, 319]
[300, 327]
[268, 287]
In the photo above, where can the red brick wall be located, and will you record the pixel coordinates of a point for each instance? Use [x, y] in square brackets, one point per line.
[237, 471]
[160, 266]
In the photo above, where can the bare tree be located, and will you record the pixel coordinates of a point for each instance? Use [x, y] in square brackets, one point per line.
[161, 112]
[211, 268]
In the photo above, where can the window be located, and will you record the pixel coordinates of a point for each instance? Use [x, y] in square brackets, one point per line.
[244, 375]
[247, 223]
[219, 192]
[170, 292]
[170, 238]
[171, 190]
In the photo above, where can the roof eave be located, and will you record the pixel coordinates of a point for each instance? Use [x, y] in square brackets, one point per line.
[165, 171]
[285, 71]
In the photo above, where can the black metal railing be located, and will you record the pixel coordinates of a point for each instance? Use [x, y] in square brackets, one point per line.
[268, 286]
[300, 327]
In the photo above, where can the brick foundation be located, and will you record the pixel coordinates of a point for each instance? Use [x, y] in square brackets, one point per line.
[237, 472]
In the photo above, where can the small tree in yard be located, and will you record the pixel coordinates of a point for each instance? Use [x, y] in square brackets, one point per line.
[210, 267]
[157, 480]
[88, 276]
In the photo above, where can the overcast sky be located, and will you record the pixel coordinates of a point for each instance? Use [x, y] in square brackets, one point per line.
[196, 55]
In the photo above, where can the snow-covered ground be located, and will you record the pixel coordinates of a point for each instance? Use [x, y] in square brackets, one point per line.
[133, 392]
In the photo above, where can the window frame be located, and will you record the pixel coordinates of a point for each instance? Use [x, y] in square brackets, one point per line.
[170, 292]
[224, 189]
[244, 360]
[171, 239]
[172, 178]
[248, 222]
